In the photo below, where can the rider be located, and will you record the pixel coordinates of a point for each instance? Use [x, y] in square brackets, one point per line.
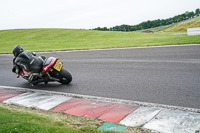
[28, 62]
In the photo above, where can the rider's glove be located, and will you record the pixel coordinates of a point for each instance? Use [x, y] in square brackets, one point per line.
[16, 70]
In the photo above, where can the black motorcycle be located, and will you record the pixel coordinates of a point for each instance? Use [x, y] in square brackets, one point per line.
[52, 70]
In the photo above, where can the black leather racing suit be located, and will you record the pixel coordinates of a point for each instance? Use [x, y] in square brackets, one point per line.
[29, 62]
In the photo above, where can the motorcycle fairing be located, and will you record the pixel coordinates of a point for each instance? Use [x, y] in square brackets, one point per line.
[48, 64]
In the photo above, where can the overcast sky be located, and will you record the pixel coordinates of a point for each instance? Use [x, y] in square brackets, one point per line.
[87, 14]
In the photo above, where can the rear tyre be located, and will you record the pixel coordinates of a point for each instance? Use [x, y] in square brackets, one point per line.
[65, 76]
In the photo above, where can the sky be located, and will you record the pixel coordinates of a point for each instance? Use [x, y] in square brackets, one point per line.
[87, 14]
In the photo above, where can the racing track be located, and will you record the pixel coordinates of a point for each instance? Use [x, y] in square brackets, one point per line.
[166, 75]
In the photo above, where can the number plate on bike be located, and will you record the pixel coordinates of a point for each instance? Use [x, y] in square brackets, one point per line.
[58, 65]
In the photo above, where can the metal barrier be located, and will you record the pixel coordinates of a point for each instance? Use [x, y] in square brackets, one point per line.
[193, 31]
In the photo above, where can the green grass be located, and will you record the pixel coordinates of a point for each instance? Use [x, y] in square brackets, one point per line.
[76, 39]
[16, 119]
[17, 122]
[73, 39]
[12, 121]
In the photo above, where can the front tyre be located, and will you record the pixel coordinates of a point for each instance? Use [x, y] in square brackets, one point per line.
[65, 77]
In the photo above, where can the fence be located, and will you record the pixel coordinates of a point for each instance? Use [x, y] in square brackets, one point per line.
[193, 31]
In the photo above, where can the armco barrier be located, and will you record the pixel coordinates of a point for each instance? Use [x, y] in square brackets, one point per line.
[193, 31]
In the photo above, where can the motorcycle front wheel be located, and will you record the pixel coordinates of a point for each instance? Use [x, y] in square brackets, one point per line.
[65, 77]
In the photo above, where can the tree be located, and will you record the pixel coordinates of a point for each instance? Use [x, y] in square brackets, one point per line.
[197, 12]
[190, 15]
[154, 23]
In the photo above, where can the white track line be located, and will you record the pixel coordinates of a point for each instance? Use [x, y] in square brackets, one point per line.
[113, 100]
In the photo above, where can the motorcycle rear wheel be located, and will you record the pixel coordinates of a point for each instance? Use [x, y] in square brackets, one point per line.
[65, 77]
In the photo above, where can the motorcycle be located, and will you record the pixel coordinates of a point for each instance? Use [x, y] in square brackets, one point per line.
[52, 70]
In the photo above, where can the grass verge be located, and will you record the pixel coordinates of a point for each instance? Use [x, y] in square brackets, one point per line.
[182, 26]
[73, 39]
[15, 119]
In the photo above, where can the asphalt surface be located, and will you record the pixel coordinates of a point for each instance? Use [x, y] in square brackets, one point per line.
[164, 75]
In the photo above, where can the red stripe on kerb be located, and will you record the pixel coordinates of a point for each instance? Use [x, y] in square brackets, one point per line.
[118, 113]
[6, 94]
[67, 105]
[110, 112]
[92, 109]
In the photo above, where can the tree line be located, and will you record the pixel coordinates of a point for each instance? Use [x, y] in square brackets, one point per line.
[153, 23]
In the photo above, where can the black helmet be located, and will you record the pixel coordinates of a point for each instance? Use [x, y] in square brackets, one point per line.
[17, 50]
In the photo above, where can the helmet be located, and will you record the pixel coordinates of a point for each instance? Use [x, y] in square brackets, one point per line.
[17, 50]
